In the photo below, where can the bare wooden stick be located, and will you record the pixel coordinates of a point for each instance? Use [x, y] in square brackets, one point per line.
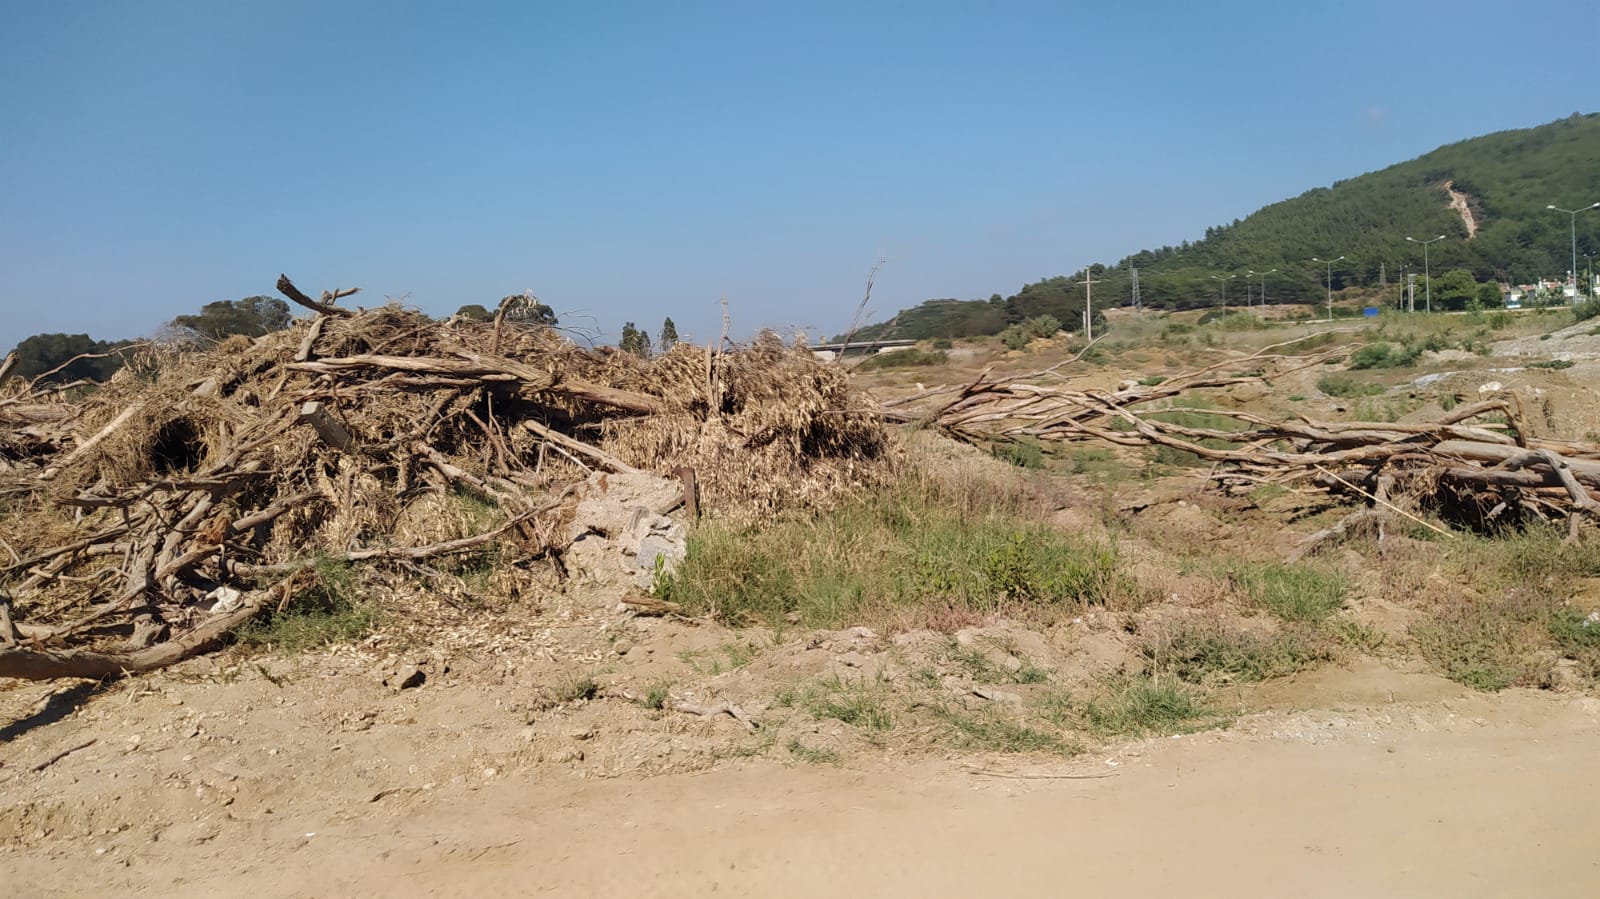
[579, 447]
[1338, 530]
[326, 307]
[650, 606]
[712, 711]
[62, 754]
[309, 342]
[28, 664]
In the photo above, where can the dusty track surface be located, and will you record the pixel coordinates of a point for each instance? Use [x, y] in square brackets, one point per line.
[1409, 787]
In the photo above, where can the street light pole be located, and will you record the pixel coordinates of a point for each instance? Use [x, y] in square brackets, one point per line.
[1224, 288]
[1329, 263]
[1263, 283]
[1427, 275]
[1572, 227]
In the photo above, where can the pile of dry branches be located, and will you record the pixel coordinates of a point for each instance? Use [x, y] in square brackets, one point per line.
[147, 517]
[1477, 464]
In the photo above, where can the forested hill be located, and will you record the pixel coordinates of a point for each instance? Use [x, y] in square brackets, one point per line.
[1505, 180]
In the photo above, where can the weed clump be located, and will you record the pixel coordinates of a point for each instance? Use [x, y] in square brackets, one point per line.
[911, 357]
[1346, 387]
[922, 543]
[1137, 706]
[988, 731]
[332, 611]
[1384, 355]
[1208, 654]
[1294, 593]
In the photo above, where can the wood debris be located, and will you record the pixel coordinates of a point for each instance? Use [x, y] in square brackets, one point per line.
[1476, 465]
[371, 437]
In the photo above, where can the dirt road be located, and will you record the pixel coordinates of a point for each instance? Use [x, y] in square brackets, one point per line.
[1465, 796]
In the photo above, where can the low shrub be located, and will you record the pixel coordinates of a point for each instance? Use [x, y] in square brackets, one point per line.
[1021, 453]
[911, 357]
[1294, 593]
[1346, 387]
[332, 611]
[1210, 653]
[1138, 706]
[1383, 355]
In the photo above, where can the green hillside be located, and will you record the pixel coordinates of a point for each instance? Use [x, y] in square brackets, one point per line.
[1507, 179]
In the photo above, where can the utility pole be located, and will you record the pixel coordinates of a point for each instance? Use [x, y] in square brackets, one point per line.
[1137, 307]
[1088, 303]
[1329, 263]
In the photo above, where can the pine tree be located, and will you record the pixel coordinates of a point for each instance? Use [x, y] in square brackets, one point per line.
[669, 334]
[630, 339]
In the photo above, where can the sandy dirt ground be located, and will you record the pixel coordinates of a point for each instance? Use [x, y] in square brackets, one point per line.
[1404, 785]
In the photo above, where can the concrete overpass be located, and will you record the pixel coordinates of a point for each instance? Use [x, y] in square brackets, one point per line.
[830, 351]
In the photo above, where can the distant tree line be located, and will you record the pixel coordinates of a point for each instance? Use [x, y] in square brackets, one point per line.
[252, 317]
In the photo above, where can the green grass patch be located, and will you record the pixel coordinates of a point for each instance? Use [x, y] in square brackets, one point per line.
[576, 689]
[1536, 557]
[1553, 364]
[730, 656]
[1383, 355]
[1294, 593]
[1487, 644]
[982, 668]
[812, 755]
[1091, 460]
[1021, 453]
[911, 357]
[1207, 654]
[977, 546]
[1506, 636]
[856, 703]
[989, 731]
[331, 611]
[1363, 638]
[1345, 387]
[1139, 706]
[656, 695]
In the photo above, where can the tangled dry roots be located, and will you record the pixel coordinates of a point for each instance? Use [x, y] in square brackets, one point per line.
[379, 436]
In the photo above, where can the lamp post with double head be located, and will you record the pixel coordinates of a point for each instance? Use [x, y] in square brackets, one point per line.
[1329, 263]
[1224, 281]
[1427, 276]
[1263, 275]
[1572, 231]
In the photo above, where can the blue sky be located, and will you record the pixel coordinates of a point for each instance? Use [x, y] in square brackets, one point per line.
[629, 161]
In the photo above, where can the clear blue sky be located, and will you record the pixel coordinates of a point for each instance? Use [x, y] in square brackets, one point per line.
[633, 161]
